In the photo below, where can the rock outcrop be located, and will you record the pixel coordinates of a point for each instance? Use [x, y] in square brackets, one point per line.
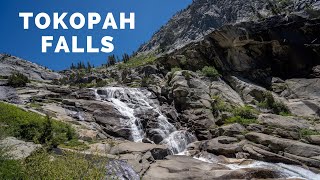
[17, 149]
[203, 16]
[11, 64]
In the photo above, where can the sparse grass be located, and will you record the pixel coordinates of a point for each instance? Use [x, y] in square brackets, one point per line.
[308, 132]
[270, 103]
[103, 83]
[75, 144]
[240, 120]
[35, 105]
[138, 60]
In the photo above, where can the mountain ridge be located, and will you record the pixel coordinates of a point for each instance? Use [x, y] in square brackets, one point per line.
[203, 16]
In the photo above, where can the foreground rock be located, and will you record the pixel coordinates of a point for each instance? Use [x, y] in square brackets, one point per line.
[183, 167]
[17, 149]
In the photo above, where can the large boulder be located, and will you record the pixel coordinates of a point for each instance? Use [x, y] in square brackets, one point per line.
[223, 145]
[191, 98]
[18, 149]
[285, 145]
[183, 167]
[9, 94]
[157, 151]
[285, 122]
[304, 96]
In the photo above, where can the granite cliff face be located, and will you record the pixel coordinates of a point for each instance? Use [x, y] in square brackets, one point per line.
[203, 16]
[285, 47]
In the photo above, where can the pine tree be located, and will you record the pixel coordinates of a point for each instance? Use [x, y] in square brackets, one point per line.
[125, 57]
[111, 60]
[89, 66]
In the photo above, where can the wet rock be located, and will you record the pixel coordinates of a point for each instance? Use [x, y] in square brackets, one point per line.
[264, 155]
[157, 151]
[183, 167]
[223, 145]
[118, 169]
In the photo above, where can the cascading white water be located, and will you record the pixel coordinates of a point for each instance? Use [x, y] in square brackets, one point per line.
[178, 141]
[129, 100]
[287, 171]
[114, 95]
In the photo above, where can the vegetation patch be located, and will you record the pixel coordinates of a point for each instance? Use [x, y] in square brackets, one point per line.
[308, 132]
[210, 71]
[240, 120]
[18, 80]
[175, 69]
[220, 104]
[270, 103]
[243, 115]
[45, 165]
[137, 61]
[33, 127]
[75, 144]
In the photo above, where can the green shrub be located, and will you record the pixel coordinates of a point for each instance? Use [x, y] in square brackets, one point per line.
[246, 112]
[240, 120]
[18, 80]
[243, 115]
[34, 127]
[219, 104]
[270, 103]
[308, 132]
[210, 71]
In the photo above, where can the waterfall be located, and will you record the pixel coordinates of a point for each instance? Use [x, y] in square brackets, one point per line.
[132, 101]
[287, 171]
[178, 141]
[115, 95]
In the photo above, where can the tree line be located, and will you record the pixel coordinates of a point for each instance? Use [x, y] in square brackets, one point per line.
[111, 60]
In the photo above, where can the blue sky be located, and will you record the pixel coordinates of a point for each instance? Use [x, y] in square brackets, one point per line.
[150, 16]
